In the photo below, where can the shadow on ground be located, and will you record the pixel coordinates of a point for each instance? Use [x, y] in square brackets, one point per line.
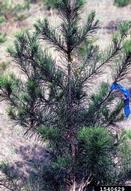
[27, 171]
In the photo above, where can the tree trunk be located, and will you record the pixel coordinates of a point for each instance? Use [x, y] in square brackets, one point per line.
[70, 122]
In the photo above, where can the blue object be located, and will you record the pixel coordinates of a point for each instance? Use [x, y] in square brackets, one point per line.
[127, 110]
[126, 93]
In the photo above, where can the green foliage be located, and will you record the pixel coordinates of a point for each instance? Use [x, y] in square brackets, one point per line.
[95, 154]
[52, 3]
[127, 47]
[57, 3]
[52, 134]
[32, 1]
[2, 37]
[9, 9]
[5, 168]
[21, 7]
[5, 8]
[2, 19]
[21, 17]
[126, 134]
[101, 113]
[56, 174]
[98, 136]
[62, 162]
[124, 27]
[121, 3]
[3, 66]
[10, 112]
[8, 81]
[124, 151]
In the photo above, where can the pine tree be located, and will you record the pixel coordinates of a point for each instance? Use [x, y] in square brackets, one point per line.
[57, 101]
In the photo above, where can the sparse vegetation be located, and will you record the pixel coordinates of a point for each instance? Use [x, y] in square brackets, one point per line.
[51, 3]
[32, 1]
[55, 3]
[21, 17]
[2, 37]
[3, 66]
[8, 9]
[2, 19]
[121, 3]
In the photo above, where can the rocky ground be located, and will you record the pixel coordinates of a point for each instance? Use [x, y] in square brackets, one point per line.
[22, 150]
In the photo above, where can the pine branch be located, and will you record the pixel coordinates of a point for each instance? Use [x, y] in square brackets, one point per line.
[122, 68]
[87, 30]
[96, 69]
[50, 35]
[33, 61]
[69, 10]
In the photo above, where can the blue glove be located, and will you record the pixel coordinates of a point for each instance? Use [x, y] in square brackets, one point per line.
[127, 110]
[125, 92]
